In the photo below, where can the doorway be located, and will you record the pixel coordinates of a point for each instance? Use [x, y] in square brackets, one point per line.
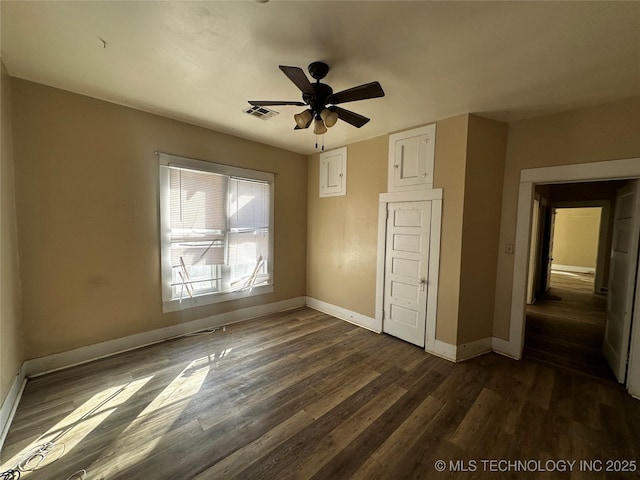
[565, 320]
[565, 324]
[628, 169]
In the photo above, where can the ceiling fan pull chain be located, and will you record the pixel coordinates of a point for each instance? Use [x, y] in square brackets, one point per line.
[323, 142]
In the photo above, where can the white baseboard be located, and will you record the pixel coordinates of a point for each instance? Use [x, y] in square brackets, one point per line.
[573, 268]
[473, 349]
[505, 348]
[58, 361]
[442, 350]
[343, 314]
[470, 350]
[10, 404]
[453, 353]
[460, 353]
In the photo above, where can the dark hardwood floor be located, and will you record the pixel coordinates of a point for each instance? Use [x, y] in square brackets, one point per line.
[566, 327]
[302, 395]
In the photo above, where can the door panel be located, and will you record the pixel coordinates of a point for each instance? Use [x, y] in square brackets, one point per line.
[407, 243]
[622, 274]
[406, 269]
[552, 226]
[533, 252]
[405, 291]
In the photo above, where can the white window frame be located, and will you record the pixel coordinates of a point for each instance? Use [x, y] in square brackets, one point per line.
[167, 161]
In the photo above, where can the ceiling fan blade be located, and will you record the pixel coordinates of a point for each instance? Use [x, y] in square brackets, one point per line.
[298, 77]
[361, 92]
[350, 117]
[264, 103]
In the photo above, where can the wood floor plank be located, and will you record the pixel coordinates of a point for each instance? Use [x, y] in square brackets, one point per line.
[565, 327]
[403, 438]
[233, 464]
[234, 402]
[302, 395]
[330, 445]
[473, 423]
[293, 453]
[351, 458]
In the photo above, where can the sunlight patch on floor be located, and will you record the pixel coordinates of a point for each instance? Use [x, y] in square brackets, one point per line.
[70, 431]
[154, 421]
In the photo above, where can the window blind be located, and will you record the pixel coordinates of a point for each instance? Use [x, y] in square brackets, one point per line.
[248, 238]
[198, 217]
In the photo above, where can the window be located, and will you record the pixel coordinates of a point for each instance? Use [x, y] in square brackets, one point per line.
[216, 232]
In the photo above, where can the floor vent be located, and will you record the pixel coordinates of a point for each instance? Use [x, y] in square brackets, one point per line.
[262, 113]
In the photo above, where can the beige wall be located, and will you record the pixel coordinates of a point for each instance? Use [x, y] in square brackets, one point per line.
[11, 339]
[342, 231]
[449, 174]
[86, 182]
[600, 133]
[575, 237]
[87, 203]
[486, 149]
[342, 237]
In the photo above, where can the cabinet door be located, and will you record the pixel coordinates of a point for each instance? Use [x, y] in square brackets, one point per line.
[411, 156]
[333, 173]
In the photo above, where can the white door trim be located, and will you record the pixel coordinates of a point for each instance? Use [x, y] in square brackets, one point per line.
[435, 196]
[583, 172]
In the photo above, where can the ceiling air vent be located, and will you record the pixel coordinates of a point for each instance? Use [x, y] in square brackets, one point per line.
[262, 113]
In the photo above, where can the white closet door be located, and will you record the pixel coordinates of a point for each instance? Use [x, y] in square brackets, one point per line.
[406, 270]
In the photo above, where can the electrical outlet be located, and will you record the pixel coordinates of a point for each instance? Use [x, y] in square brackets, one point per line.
[509, 248]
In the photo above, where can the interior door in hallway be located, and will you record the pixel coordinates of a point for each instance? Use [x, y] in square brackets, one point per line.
[622, 275]
[406, 269]
[552, 227]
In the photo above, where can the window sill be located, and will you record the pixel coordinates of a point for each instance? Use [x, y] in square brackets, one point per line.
[177, 305]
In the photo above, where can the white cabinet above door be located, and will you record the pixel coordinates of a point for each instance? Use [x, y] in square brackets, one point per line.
[333, 172]
[411, 158]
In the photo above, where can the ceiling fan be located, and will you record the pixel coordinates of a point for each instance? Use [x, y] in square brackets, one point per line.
[321, 100]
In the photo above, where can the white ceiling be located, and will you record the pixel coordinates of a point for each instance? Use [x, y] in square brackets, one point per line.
[201, 61]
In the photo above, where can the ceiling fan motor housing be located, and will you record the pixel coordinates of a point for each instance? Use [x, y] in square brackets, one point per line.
[318, 100]
[318, 70]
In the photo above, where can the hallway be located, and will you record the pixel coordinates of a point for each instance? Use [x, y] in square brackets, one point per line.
[565, 328]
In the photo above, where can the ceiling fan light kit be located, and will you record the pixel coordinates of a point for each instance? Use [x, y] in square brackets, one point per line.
[303, 118]
[319, 127]
[321, 100]
[328, 117]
